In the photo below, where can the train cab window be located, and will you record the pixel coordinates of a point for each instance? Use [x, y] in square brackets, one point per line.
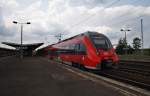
[101, 42]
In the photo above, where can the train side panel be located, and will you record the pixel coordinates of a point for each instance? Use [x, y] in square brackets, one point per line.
[82, 50]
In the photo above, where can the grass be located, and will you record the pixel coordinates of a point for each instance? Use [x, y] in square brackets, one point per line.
[135, 57]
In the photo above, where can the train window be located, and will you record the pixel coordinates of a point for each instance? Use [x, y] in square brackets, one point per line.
[66, 47]
[52, 52]
[72, 46]
[77, 47]
[100, 43]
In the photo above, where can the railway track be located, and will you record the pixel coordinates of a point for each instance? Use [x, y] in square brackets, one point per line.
[128, 77]
[135, 76]
[135, 63]
[132, 72]
[142, 68]
[135, 70]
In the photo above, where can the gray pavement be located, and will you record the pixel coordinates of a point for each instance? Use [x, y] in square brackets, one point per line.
[36, 76]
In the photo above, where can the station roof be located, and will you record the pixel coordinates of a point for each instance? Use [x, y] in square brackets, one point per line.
[3, 48]
[28, 46]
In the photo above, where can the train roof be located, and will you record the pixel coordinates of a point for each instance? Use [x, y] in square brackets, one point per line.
[93, 33]
[88, 33]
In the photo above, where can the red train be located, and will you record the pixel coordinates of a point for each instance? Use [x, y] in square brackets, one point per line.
[91, 50]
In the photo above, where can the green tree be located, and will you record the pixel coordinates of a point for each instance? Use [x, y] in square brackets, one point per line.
[123, 47]
[130, 49]
[136, 43]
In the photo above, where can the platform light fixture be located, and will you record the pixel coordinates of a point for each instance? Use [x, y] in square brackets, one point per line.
[125, 30]
[21, 23]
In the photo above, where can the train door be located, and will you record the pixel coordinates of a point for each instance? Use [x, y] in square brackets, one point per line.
[80, 51]
[76, 56]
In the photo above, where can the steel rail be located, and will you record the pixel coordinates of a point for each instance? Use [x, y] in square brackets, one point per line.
[126, 80]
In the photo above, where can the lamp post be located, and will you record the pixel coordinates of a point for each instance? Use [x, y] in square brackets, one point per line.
[21, 49]
[142, 52]
[125, 30]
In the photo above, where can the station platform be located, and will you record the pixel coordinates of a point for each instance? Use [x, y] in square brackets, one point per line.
[37, 76]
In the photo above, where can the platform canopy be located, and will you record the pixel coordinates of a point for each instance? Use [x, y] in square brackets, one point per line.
[27, 48]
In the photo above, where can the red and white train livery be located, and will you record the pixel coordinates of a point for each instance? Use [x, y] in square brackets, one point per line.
[90, 50]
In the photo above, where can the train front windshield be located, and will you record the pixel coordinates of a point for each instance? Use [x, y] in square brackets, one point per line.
[101, 43]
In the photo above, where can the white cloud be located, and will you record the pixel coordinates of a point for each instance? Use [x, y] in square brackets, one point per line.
[72, 17]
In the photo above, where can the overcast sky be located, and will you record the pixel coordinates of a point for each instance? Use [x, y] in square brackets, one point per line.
[71, 17]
